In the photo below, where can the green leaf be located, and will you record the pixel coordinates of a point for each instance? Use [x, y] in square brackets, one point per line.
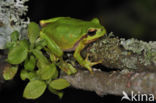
[33, 32]
[28, 75]
[29, 64]
[24, 74]
[9, 72]
[19, 53]
[39, 55]
[14, 40]
[58, 93]
[59, 84]
[10, 45]
[14, 36]
[55, 73]
[34, 89]
[47, 71]
[41, 43]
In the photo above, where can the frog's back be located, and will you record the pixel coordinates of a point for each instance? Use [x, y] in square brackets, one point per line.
[66, 32]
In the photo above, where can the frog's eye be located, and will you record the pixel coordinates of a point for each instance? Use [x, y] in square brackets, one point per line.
[91, 32]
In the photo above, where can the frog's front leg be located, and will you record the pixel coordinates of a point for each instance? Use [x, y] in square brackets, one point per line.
[83, 62]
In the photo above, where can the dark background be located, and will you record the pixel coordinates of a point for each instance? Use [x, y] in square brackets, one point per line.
[126, 18]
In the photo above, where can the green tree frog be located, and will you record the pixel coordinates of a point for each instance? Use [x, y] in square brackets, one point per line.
[70, 34]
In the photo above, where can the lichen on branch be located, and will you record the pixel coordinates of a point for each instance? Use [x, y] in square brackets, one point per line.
[121, 54]
[11, 12]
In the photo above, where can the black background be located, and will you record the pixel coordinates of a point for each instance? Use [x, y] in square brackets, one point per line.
[126, 18]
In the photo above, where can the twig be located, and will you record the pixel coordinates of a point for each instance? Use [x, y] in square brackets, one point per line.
[114, 83]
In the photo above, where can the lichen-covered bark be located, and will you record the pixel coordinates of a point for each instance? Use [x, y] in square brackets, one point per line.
[124, 54]
[135, 63]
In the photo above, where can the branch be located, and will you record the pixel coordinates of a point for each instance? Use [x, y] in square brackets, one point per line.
[123, 54]
[114, 83]
[136, 56]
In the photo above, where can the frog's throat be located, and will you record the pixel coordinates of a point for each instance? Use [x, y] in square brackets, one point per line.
[76, 44]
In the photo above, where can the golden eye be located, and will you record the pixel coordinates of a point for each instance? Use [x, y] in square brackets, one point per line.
[91, 32]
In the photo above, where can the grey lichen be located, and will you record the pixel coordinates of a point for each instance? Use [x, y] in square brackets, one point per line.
[140, 47]
[132, 54]
[152, 51]
[133, 45]
[10, 19]
[130, 62]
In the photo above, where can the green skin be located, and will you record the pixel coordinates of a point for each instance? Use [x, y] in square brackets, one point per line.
[69, 34]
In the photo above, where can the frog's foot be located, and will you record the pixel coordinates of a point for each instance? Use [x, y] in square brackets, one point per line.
[67, 68]
[89, 64]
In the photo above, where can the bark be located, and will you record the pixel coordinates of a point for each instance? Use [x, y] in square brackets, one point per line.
[114, 83]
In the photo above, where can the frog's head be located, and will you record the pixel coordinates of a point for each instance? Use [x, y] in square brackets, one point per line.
[94, 31]
[93, 34]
